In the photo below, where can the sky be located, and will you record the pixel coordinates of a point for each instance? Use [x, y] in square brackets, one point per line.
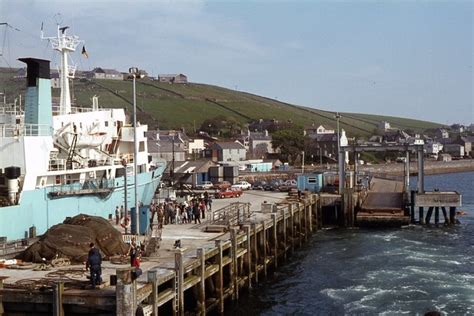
[402, 58]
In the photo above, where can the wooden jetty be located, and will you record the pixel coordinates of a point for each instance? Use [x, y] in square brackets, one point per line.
[209, 270]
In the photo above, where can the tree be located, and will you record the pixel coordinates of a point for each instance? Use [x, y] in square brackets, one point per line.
[290, 143]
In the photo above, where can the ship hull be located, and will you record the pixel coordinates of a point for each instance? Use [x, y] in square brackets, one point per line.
[41, 209]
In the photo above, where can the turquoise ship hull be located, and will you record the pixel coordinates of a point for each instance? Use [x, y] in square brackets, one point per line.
[40, 209]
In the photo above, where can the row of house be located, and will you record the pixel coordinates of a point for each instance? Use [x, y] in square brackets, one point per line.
[100, 73]
[171, 144]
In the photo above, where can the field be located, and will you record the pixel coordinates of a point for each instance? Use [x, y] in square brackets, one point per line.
[186, 106]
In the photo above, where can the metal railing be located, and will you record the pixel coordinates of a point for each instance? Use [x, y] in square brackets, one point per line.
[87, 185]
[12, 130]
[230, 215]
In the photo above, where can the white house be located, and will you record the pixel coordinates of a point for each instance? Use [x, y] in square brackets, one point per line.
[320, 130]
[196, 146]
[384, 126]
[433, 148]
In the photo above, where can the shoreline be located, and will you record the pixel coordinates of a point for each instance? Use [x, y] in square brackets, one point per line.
[431, 167]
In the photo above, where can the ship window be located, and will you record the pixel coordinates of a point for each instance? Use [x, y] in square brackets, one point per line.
[312, 180]
[141, 146]
[106, 123]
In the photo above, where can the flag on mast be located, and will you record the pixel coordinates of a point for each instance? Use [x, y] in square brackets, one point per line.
[84, 52]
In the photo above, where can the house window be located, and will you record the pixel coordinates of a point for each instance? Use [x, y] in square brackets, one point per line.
[312, 180]
[141, 146]
[106, 123]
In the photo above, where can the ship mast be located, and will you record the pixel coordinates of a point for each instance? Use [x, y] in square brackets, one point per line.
[64, 44]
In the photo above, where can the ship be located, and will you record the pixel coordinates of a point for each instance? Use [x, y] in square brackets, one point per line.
[59, 160]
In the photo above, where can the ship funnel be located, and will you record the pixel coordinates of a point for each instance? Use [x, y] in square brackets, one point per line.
[38, 110]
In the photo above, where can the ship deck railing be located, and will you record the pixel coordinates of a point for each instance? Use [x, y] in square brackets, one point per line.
[102, 186]
[15, 130]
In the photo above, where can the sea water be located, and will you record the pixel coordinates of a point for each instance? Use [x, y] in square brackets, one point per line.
[410, 270]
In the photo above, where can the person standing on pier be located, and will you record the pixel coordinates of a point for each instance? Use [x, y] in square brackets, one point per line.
[117, 216]
[134, 255]
[196, 212]
[94, 264]
[206, 199]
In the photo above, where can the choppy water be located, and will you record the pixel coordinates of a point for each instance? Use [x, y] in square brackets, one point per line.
[385, 272]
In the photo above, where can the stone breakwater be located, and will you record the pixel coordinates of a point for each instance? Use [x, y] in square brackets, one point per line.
[431, 167]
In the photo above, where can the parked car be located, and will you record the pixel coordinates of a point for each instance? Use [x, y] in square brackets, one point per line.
[259, 185]
[222, 185]
[228, 193]
[243, 185]
[273, 185]
[288, 185]
[206, 185]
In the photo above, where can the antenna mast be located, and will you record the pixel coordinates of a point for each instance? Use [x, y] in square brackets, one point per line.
[64, 44]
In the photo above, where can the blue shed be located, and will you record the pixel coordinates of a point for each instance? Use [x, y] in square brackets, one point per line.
[312, 182]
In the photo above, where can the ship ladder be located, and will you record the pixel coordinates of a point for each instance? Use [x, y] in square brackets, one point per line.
[71, 153]
[176, 294]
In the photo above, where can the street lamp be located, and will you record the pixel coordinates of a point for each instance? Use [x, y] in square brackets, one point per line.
[134, 72]
[338, 116]
[302, 162]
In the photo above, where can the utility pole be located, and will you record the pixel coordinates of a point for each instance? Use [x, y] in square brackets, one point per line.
[134, 72]
[302, 163]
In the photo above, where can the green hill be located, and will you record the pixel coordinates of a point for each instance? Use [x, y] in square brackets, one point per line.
[168, 106]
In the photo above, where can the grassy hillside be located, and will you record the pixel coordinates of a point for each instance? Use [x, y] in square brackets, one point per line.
[188, 105]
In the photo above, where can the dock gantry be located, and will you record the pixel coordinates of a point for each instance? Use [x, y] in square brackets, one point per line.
[391, 202]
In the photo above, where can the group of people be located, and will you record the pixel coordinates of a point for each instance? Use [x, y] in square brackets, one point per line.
[171, 212]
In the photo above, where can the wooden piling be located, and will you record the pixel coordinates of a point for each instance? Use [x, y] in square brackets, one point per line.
[234, 269]
[298, 222]
[436, 216]
[305, 218]
[452, 215]
[292, 226]
[125, 292]
[264, 241]
[220, 278]
[412, 206]
[445, 216]
[58, 291]
[428, 215]
[202, 282]
[153, 279]
[249, 256]
[285, 224]
[2, 310]
[255, 251]
[275, 240]
[179, 270]
[421, 215]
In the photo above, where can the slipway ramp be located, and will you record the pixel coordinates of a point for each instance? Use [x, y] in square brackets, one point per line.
[383, 205]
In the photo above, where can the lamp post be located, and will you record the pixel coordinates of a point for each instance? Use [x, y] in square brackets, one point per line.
[134, 72]
[338, 116]
[302, 162]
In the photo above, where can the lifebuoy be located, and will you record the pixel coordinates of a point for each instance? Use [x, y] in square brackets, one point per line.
[125, 222]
